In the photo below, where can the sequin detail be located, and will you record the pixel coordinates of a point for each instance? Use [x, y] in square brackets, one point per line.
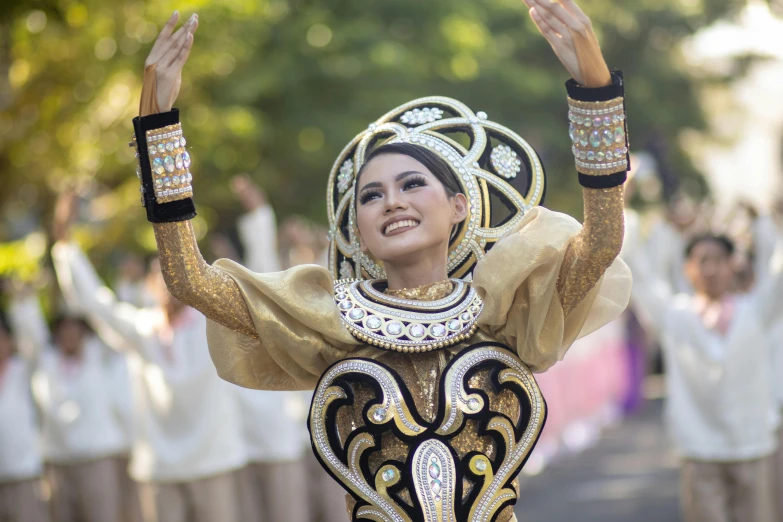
[191, 280]
[594, 249]
[430, 292]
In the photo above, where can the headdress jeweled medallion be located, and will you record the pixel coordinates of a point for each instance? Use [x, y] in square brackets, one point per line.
[499, 172]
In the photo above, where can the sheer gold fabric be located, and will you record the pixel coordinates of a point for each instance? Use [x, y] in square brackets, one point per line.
[300, 333]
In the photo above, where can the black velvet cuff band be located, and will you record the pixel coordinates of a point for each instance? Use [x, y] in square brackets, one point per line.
[597, 94]
[179, 210]
[603, 182]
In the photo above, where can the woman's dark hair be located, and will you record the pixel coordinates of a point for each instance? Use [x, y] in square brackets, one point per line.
[720, 239]
[434, 163]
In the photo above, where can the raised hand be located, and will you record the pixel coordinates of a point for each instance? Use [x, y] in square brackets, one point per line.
[169, 54]
[570, 33]
[64, 213]
[247, 193]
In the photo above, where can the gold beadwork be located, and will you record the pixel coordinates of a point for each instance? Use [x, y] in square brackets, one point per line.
[170, 164]
[406, 325]
[599, 136]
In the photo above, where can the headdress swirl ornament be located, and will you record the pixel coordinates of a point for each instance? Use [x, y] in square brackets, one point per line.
[487, 158]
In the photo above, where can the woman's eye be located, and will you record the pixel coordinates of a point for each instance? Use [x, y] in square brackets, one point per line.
[413, 183]
[369, 196]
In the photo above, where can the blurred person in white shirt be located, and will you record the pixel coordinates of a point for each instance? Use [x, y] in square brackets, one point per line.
[188, 440]
[767, 232]
[21, 466]
[274, 422]
[84, 435]
[720, 390]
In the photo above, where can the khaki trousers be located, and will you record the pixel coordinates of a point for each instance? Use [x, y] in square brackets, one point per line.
[778, 474]
[212, 499]
[268, 492]
[23, 501]
[86, 492]
[727, 491]
[131, 507]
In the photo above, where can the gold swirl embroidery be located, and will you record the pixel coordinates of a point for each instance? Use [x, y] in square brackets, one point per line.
[458, 402]
[430, 460]
[381, 508]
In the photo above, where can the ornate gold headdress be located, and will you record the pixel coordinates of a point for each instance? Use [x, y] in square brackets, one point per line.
[487, 158]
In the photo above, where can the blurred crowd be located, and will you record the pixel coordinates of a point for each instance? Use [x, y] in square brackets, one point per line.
[111, 409]
[708, 292]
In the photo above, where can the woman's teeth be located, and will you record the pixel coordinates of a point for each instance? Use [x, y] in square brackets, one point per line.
[400, 224]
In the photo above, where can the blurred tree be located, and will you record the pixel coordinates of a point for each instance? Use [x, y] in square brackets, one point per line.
[276, 88]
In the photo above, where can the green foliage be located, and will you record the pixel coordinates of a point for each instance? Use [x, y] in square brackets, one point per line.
[276, 88]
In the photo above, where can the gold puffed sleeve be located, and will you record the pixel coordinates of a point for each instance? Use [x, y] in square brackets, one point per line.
[594, 249]
[300, 330]
[518, 280]
[272, 331]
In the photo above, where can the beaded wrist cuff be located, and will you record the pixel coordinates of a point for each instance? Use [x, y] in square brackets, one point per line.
[170, 164]
[163, 168]
[599, 136]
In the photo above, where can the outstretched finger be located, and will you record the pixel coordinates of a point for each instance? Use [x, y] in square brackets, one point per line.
[179, 37]
[165, 33]
[556, 25]
[559, 42]
[558, 11]
[179, 40]
[572, 6]
[545, 29]
[179, 61]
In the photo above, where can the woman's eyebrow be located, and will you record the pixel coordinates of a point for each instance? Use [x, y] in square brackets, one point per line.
[398, 177]
[372, 184]
[403, 175]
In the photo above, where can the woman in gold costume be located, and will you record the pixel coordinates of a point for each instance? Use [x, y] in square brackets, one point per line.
[446, 288]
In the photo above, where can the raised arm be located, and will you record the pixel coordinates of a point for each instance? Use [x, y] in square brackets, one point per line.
[166, 186]
[652, 294]
[598, 135]
[29, 325]
[770, 287]
[118, 324]
[257, 228]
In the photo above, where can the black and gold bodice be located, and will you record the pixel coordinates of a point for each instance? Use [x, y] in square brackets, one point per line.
[438, 429]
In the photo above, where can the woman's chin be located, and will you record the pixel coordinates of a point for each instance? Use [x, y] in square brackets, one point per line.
[403, 250]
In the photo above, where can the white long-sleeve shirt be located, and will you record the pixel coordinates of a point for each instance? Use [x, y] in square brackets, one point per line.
[186, 419]
[78, 400]
[720, 391]
[20, 456]
[766, 234]
[274, 422]
[666, 254]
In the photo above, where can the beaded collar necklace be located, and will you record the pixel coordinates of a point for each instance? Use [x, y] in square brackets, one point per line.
[407, 325]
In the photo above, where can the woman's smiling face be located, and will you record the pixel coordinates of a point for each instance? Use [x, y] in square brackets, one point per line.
[403, 211]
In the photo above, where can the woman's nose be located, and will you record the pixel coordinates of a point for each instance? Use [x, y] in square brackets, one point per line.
[394, 202]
